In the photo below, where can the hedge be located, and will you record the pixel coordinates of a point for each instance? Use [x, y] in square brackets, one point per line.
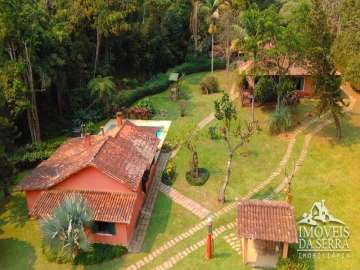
[160, 82]
[30, 155]
[100, 253]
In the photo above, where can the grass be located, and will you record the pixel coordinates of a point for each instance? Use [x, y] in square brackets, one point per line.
[198, 106]
[263, 151]
[224, 258]
[328, 173]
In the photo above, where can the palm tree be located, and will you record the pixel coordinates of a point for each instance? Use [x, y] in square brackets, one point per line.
[103, 89]
[64, 232]
[212, 30]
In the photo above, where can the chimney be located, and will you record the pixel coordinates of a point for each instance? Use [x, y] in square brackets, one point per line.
[119, 120]
[82, 130]
[102, 130]
[87, 139]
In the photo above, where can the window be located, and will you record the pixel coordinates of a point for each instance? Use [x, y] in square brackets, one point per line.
[299, 83]
[103, 228]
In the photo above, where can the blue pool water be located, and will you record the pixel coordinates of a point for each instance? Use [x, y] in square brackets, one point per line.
[159, 133]
[112, 124]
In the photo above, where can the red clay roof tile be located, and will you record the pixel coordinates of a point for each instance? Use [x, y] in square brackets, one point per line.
[105, 206]
[266, 220]
[124, 157]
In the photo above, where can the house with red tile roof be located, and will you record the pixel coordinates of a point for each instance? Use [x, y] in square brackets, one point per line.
[111, 171]
[300, 75]
[265, 228]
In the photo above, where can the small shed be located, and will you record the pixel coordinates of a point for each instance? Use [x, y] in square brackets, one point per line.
[265, 228]
[173, 77]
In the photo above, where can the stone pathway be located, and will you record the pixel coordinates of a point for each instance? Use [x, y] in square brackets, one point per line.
[234, 242]
[184, 201]
[308, 137]
[206, 121]
[144, 218]
[169, 263]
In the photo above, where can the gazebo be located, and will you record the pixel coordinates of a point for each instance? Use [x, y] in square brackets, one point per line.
[265, 228]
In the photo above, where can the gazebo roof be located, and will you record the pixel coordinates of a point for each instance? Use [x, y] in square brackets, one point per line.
[173, 77]
[266, 220]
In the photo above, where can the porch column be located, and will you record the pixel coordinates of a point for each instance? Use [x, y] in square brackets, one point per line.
[285, 250]
[245, 250]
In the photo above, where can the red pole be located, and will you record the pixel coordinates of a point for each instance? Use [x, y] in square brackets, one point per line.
[209, 246]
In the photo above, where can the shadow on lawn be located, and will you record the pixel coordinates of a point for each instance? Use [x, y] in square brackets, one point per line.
[16, 254]
[350, 133]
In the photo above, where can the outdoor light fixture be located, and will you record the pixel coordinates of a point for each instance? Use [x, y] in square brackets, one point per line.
[209, 246]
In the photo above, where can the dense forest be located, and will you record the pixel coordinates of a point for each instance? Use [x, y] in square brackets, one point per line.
[64, 62]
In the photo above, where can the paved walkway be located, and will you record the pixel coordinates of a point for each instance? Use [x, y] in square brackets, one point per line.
[234, 242]
[184, 201]
[206, 121]
[169, 263]
[145, 215]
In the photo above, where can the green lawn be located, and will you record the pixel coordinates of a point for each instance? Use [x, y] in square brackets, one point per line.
[224, 258]
[329, 173]
[252, 164]
[198, 105]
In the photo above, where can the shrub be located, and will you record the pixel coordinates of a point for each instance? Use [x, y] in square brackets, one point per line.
[209, 85]
[281, 121]
[263, 91]
[90, 127]
[100, 253]
[198, 181]
[213, 133]
[168, 146]
[30, 155]
[294, 261]
[146, 103]
[169, 174]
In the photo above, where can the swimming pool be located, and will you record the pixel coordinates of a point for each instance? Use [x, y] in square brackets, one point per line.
[160, 133]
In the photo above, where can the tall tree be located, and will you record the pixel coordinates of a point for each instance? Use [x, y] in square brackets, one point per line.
[284, 50]
[327, 84]
[346, 47]
[108, 18]
[226, 24]
[194, 23]
[23, 29]
[234, 138]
